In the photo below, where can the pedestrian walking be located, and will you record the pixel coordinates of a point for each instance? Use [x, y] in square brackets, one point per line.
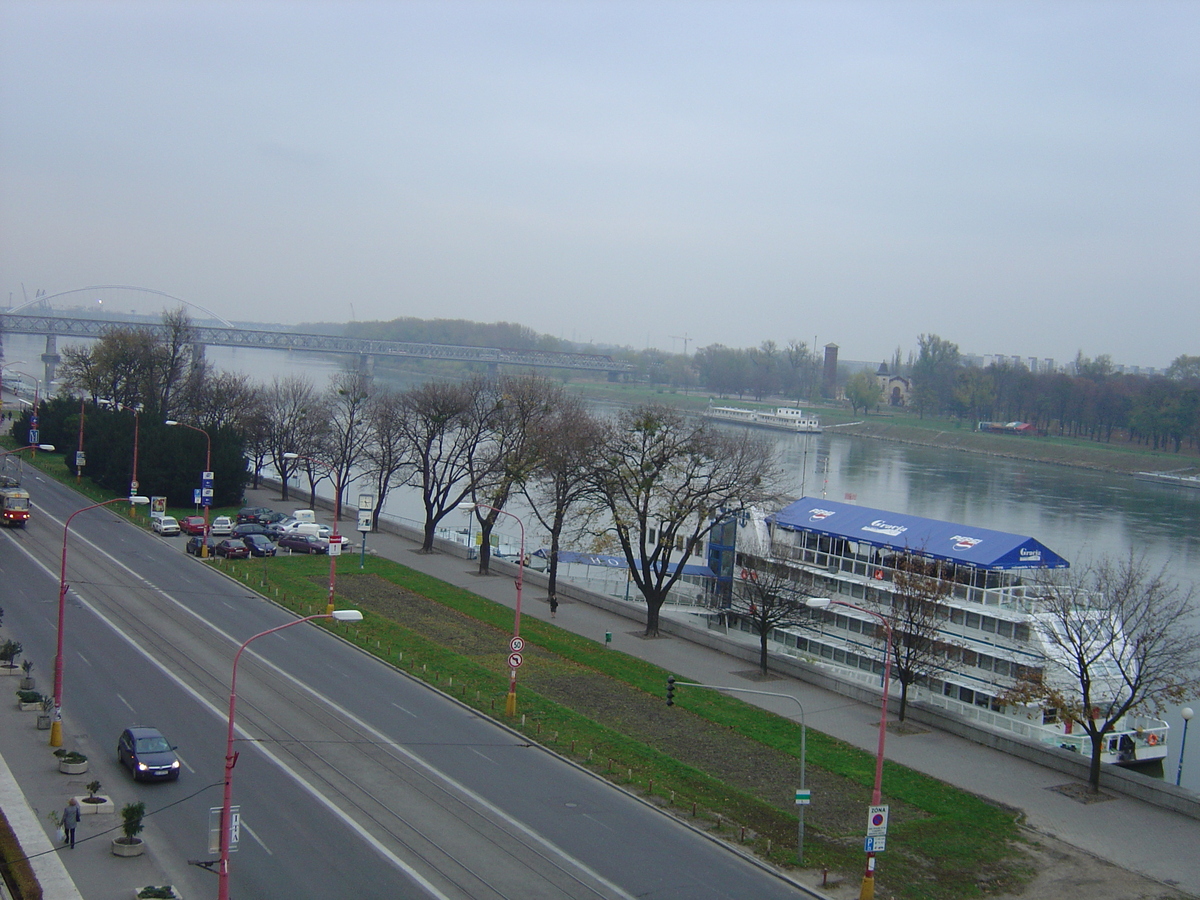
[70, 819]
[553, 604]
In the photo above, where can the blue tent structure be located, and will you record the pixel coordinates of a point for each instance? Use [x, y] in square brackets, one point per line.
[966, 545]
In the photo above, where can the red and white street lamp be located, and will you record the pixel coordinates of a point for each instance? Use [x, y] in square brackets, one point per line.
[867, 892]
[334, 538]
[510, 705]
[340, 615]
[207, 501]
[56, 724]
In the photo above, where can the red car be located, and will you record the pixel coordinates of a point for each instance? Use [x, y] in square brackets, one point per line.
[232, 548]
[192, 525]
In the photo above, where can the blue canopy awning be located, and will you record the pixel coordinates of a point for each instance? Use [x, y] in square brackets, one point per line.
[616, 562]
[963, 544]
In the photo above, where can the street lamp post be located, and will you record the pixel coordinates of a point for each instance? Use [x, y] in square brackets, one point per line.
[340, 615]
[867, 892]
[133, 479]
[1187, 712]
[207, 501]
[802, 798]
[334, 538]
[56, 724]
[514, 659]
[33, 416]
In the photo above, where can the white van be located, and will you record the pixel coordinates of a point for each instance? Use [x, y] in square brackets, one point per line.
[301, 528]
[304, 515]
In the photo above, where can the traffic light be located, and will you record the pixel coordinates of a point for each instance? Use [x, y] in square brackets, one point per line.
[670, 690]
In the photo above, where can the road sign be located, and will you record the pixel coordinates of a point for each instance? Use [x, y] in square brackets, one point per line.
[133, 486]
[515, 660]
[335, 547]
[214, 828]
[803, 798]
[877, 819]
[207, 476]
[364, 520]
[34, 437]
[196, 496]
[80, 458]
[517, 644]
[875, 844]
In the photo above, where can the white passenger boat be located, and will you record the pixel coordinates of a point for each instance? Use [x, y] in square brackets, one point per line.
[993, 634]
[784, 418]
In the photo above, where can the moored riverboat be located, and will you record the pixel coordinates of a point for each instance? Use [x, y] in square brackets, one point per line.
[992, 621]
[784, 418]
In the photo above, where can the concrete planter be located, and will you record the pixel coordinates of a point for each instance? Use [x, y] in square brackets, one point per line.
[120, 848]
[44, 721]
[72, 768]
[11, 670]
[36, 706]
[28, 683]
[172, 893]
[92, 807]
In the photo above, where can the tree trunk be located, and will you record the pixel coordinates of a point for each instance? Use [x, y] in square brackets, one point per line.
[1094, 767]
[903, 699]
[652, 608]
[762, 651]
[485, 546]
[430, 530]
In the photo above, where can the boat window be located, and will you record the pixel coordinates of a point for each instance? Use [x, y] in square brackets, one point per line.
[826, 651]
[988, 624]
[1021, 631]
[856, 626]
[984, 662]
[1004, 629]
[857, 591]
[865, 663]
[966, 695]
[972, 620]
[1003, 667]
[982, 700]
[970, 658]
[839, 656]
[957, 616]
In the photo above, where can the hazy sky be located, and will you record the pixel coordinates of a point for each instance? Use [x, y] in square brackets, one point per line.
[1020, 178]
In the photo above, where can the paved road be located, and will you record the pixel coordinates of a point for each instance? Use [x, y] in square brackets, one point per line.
[401, 791]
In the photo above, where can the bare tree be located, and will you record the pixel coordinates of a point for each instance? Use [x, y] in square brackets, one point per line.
[660, 477]
[559, 481]
[1119, 638]
[384, 452]
[344, 438]
[917, 616]
[292, 410]
[525, 405]
[768, 599]
[443, 427]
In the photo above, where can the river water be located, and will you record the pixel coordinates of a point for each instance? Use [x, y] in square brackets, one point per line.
[1079, 514]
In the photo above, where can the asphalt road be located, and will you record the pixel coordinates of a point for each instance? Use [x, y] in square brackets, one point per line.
[351, 775]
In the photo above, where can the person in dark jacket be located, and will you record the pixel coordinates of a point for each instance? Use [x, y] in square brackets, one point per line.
[70, 820]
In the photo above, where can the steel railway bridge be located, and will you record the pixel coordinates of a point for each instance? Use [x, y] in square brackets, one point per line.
[54, 325]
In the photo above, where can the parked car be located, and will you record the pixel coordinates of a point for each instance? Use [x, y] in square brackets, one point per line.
[147, 753]
[253, 514]
[259, 544]
[232, 548]
[195, 542]
[192, 525]
[279, 526]
[248, 528]
[295, 526]
[303, 543]
[271, 518]
[221, 525]
[167, 526]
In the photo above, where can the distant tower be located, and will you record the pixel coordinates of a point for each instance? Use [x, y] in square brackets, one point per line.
[829, 376]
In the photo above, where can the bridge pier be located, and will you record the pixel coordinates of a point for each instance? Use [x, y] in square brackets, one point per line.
[197, 354]
[50, 360]
[366, 364]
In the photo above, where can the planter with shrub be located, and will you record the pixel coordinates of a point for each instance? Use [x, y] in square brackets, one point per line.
[29, 701]
[71, 762]
[158, 892]
[94, 803]
[129, 844]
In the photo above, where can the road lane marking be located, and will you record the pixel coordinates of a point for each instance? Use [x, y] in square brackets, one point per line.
[127, 703]
[257, 839]
[407, 712]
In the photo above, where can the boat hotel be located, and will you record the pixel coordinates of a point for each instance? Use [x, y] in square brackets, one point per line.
[784, 418]
[992, 625]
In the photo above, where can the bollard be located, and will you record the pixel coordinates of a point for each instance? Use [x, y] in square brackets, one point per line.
[607, 638]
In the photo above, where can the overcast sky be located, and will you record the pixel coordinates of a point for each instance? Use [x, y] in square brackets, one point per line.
[1020, 178]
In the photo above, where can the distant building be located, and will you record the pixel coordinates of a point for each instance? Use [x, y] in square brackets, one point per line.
[829, 375]
[896, 388]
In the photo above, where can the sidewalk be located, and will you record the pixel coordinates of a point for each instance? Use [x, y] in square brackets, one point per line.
[1143, 838]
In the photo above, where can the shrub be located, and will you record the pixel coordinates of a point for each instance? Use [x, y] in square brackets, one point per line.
[70, 756]
[131, 821]
[29, 696]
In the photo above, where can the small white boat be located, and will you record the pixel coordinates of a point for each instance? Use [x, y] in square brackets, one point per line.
[784, 418]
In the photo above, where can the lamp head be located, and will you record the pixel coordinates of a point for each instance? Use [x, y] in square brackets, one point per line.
[139, 500]
[171, 422]
[45, 446]
[1187, 712]
[817, 602]
[347, 615]
[291, 456]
